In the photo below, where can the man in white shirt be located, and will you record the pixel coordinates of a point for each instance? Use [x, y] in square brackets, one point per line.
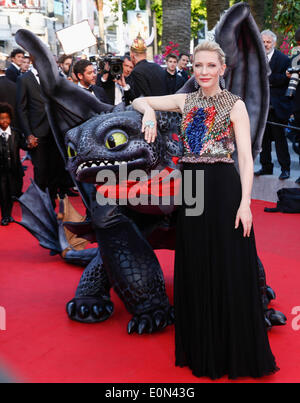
[86, 75]
[279, 112]
[183, 61]
[14, 70]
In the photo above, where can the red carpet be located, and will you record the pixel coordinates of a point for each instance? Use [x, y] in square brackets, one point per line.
[40, 343]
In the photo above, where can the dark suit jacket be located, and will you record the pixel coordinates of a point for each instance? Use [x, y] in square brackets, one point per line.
[183, 74]
[278, 80]
[148, 80]
[174, 82]
[109, 88]
[15, 142]
[12, 73]
[100, 94]
[31, 107]
[8, 91]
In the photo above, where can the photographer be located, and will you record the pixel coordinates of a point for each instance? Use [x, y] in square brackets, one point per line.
[117, 89]
[295, 61]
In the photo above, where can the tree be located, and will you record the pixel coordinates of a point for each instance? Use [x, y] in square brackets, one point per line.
[258, 12]
[214, 10]
[99, 5]
[177, 23]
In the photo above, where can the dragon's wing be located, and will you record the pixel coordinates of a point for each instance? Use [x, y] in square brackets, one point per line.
[247, 67]
[39, 218]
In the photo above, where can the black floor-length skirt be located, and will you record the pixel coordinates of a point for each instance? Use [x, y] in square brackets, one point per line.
[219, 320]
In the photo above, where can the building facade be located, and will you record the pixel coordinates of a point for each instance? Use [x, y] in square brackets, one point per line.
[43, 18]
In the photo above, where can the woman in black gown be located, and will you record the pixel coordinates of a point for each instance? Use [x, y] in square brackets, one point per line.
[219, 321]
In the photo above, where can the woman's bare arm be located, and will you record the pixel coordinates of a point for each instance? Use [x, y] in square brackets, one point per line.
[148, 105]
[170, 103]
[241, 124]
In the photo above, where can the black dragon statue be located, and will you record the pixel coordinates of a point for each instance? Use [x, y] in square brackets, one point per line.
[96, 139]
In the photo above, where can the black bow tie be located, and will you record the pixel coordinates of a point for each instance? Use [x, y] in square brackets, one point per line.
[89, 89]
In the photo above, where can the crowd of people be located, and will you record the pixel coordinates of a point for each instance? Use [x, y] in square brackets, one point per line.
[24, 123]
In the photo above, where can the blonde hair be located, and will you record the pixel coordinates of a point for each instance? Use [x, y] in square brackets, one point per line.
[210, 46]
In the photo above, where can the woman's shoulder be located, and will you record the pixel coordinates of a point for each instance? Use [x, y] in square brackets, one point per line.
[234, 102]
[231, 96]
[238, 109]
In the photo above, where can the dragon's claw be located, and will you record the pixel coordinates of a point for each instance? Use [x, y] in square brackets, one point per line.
[151, 322]
[90, 309]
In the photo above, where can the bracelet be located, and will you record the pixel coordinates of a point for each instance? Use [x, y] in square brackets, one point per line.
[150, 124]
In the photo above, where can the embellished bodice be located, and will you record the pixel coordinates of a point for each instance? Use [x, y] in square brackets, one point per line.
[206, 129]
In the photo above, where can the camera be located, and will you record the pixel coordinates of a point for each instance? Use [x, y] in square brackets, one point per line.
[115, 66]
[294, 81]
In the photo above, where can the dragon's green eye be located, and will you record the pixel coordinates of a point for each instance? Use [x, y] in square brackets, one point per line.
[115, 140]
[71, 152]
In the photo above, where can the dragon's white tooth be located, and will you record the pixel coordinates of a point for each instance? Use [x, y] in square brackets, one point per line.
[117, 163]
[102, 164]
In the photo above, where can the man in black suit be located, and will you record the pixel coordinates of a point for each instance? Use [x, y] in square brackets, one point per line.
[64, 64]
[86, 75]
[148, 79]
[117, 90]
[14, 70]
[7, 89]
[49, 170]
[183, 61]
[173, 79]
[279, 112]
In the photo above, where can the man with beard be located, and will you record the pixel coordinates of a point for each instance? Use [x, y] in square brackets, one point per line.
[86, 75]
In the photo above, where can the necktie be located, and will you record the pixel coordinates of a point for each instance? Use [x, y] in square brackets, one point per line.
[89, 89]
[5, 157]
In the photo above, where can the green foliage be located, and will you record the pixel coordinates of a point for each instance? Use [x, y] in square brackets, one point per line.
[156, 5]
[198, 14]
[269, 14]
[288, 18]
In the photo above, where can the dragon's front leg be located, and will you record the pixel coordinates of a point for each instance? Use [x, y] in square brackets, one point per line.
[92, 302]
[133, 270]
